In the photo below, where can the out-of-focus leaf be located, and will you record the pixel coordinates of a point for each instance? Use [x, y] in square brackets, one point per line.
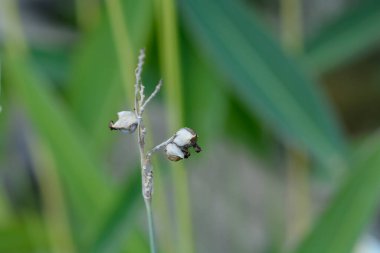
[350, 211]
[95, 90]
[51, 61]
[347, 37]
[15, 238]
[109, 235]
[265, 79]
[205, 102]
[245, 127]
[137, 242]
[81, 171]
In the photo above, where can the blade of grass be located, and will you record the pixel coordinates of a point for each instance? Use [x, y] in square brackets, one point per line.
[265, 79]
[297, 200]
[118, 217]
[170, 63]
[123, 46]
[14, 238]
[199, 81]
[78, 168]
[35, 231]
[163, 217]
[355, 203]
[53, 204]
[345, 38]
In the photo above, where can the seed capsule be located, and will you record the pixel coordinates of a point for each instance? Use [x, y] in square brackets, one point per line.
[127, 122]
[173, 152]
[185, 137]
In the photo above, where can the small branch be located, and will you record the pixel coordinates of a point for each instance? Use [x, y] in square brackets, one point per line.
[142, 96]
[158, 147]
[154, 93]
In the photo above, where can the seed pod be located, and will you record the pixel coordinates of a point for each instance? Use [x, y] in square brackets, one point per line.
[185, 137]
[126, 123]
[173, 152]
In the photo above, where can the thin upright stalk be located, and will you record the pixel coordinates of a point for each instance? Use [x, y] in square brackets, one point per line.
[170, 61]
[125, 52]
[53, 202]
[152, 242]
[145, 159]
[123, 43]
[298, 172]
[146, 170]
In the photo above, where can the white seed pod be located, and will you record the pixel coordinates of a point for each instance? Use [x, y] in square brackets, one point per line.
[126, 123]
[173, 152]
[185, 137]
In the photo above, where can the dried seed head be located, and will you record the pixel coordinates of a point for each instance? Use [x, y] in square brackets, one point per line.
[185, 137]
[126, 123]
[178, 147]
[173, 152]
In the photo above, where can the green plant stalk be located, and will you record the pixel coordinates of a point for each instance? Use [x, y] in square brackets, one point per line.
[152, 243]
[125, 52]
[53, 204]
[298, 196]
[123, 45]
[14, 35]
[148, 201]
[165, 234]
[170, 62]
[291, 25]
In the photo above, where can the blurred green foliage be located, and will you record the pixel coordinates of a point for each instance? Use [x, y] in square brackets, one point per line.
[224, 75]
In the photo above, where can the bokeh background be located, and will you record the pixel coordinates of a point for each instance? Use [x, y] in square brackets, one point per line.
[284, 95]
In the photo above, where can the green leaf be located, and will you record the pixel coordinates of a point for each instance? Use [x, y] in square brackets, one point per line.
[263, 77]
[52, 62]
[118, 217]
[348, 36]
[351, 210]
[81, 171]
[204, 101]
[15, 237]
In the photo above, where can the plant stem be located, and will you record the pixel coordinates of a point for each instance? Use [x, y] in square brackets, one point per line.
[298, 172]
[291, 24]
[146, 180]
[146, 165]
[152, 243]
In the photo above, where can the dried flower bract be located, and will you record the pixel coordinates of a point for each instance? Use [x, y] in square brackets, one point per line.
[126, 123]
